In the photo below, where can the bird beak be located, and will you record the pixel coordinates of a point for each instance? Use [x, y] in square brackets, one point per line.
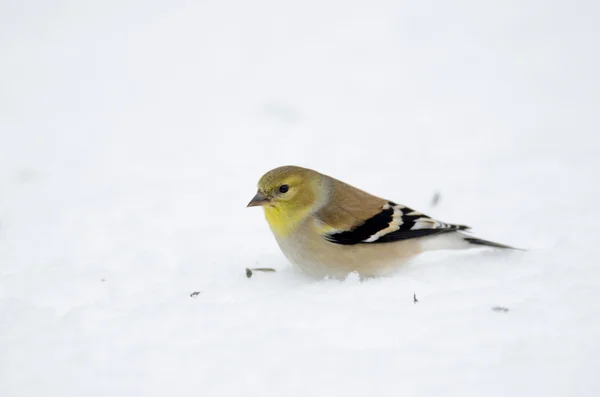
[258, 200]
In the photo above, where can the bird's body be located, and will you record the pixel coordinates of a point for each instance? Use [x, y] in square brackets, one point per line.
[329, 228]
[306, 249]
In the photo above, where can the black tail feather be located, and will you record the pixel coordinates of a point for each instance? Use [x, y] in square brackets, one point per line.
[477, 241]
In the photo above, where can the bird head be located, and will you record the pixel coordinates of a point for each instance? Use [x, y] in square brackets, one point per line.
[287, 194]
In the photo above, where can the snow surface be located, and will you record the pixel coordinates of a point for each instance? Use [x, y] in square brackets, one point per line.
[132, 135]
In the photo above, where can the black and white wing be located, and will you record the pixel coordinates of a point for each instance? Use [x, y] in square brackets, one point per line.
[395, 222]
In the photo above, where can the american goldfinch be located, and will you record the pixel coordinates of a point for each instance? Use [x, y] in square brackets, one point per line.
[329, 228]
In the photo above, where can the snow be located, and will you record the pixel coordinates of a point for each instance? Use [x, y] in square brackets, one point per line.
[132, 135]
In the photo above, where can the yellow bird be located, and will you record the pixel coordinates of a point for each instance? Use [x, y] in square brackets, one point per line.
[329, 228]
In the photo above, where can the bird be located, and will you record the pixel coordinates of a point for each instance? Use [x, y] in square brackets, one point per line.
[329, 228]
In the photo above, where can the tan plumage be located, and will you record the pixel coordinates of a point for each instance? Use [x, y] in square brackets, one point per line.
[329, 228]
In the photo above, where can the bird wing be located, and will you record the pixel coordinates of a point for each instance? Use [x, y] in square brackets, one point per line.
[395, 222]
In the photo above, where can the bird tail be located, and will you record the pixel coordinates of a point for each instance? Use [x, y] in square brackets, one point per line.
[458, 240]
[485, 243]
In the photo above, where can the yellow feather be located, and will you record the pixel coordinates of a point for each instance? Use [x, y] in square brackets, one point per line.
[283, 220]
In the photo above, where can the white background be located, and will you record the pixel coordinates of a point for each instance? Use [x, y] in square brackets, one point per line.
[132, 135]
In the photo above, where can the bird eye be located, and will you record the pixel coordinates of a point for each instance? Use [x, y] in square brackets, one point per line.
[284, 188]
